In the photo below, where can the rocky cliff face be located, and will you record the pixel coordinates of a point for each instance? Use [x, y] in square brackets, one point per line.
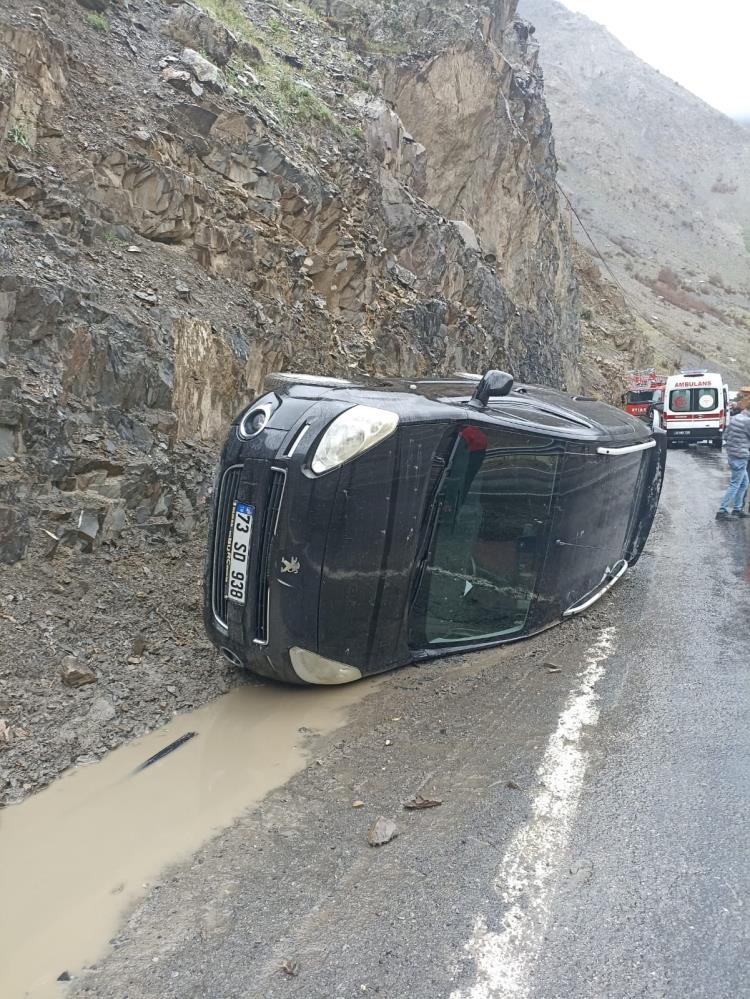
[193, 195]
[660, 179]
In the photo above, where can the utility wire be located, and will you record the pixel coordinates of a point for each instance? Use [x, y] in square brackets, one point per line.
[590, 238]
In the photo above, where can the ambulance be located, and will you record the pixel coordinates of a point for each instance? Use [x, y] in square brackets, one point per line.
[693, 408]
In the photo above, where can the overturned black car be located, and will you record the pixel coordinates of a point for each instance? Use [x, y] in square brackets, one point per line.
[360, 527]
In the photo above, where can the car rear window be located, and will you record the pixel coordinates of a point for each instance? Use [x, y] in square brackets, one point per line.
[693, 400]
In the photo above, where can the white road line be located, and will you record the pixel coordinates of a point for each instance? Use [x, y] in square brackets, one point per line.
[527, 875]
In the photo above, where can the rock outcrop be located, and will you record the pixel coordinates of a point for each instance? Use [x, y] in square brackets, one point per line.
[188, 202]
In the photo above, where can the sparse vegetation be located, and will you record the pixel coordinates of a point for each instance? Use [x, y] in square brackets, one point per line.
[309, 14]
[275, 27]
[669, 277]
[17, 135]
[97, 21]
[668, 286]
[288, 98]
[300, 101]
[229, 12]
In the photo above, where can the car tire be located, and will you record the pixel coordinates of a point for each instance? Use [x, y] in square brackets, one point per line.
[718, 444]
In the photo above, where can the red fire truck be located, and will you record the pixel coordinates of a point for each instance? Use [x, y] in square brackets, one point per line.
[640, 391]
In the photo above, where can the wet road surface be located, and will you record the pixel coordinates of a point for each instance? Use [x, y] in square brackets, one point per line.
[593, 836]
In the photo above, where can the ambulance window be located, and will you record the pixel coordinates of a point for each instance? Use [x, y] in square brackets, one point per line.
[693, 400]
[679, 400]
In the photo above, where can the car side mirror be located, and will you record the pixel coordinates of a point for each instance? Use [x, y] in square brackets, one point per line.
[494, 383]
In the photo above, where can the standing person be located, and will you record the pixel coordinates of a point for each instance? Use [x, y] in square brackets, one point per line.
[744, 392]
[737, 444]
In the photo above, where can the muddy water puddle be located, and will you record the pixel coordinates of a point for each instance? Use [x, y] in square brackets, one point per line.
[75, 856]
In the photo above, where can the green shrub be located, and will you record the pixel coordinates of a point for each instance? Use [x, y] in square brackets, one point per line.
[289, 100]
[97, 21]
[17, 135]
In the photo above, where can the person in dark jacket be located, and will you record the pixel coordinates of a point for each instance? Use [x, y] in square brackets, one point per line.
[737, 448]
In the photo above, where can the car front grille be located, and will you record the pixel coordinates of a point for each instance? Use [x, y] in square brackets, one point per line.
[230, 484]
[260, 556]
[270, 524]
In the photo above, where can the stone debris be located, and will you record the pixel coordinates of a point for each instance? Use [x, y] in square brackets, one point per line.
[75, 673]
[419, 803]
[382, 831]
[101, 711]
[197, 29]
[203, 70]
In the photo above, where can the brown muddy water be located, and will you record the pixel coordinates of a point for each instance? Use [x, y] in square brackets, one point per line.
[75, 856]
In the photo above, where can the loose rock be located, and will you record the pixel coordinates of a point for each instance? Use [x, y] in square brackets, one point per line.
[417, 803]
[382, 831]
[75, 673]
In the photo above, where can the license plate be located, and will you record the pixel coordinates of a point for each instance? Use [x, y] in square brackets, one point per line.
[681, 433]
[239, 552]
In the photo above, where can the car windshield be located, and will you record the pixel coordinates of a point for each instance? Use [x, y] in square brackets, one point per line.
[487, 543]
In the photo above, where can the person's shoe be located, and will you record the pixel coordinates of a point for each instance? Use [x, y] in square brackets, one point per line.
[740, 513]
[722, 515]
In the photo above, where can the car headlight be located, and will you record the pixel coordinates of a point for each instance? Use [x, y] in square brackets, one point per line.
[351, 433]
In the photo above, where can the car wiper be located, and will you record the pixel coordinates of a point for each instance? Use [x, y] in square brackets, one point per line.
[426, 547]
[436, 503]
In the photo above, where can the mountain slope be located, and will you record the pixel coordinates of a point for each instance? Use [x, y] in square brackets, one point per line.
[661, 181]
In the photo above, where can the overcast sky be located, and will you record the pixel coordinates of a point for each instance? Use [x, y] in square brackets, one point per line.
[703, 46]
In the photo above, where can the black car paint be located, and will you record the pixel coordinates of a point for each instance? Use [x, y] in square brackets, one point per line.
[357, 532]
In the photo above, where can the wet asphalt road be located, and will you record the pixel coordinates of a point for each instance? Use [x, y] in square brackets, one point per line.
[593, 839]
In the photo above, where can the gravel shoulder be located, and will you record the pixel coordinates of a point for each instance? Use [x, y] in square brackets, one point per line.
[127, 620]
